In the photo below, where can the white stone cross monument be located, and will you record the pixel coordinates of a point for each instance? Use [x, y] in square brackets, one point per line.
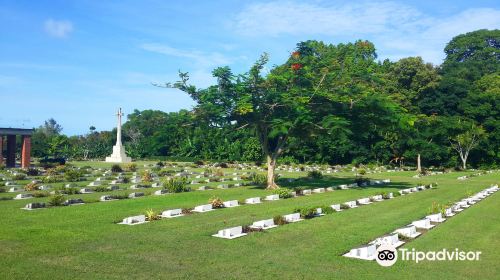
[118, 149]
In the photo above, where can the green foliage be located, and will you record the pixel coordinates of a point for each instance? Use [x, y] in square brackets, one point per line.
[176, 185]
[258, 179]
[19, 176]
[132, 167]
[279, 220]
[151, 215]
[72, 175]
[56, 199]
[315, 174]
[283, 193]
[116, 168]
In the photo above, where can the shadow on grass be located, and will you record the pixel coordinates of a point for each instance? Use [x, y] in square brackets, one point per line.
[306, 182]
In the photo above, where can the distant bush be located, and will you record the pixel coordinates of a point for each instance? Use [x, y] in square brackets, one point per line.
[30, 187]
[2, 189]
[160, 164]
[19, 176]
[283, 193]
[216, 202]
[258, 179]
[199, 163]
[69, 191]
[41, 194]
[56, 199]
[279, 220]
[72, 175]
[306, 212]
[51, 179]
[361, 171]
[315, 174]
[32, 172]
[101, 189]
[116, 168]
[132, 167]
[152, 215]
[147, 176]
[176, 185]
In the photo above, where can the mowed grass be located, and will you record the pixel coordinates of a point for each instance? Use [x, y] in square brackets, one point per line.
[83, 242]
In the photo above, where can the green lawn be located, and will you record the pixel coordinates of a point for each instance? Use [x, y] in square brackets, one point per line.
[84, 241]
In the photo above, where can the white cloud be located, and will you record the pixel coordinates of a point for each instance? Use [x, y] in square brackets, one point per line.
[58, 28]
[397, 30]
[201, 58]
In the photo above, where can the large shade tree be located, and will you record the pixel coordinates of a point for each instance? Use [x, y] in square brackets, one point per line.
[312, 93]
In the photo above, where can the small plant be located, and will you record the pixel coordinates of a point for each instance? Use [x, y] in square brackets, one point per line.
[176, 185]
[258, 179]
[32, 172]
[306, 212]
[31, 187]
[248, 229]
[100, 189]
[132, 167]
[56, 199]
[51, 179]
[40, 194]
[151, 215]
[216, 202]
[187, 211]
[435, 208]
[2, 190]
[361, 171]
[396, 194]
[19, 176]
[72, 175]
[326, 210]
[283, 193]
[279, 220]
[344, 206]
[147, 176]
[116, 168]
[403, 237]
[315, 174]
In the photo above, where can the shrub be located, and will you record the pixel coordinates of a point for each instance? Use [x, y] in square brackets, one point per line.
[306, 212]
[100, 189]
[386, 195]
[32, 172]
[199, 163]
[151, 215]
[146, 176]
[326, 210]
[160, 164]
[216, 202]
[71, 190]
[30, 187]
[187, 211]
[72, 175]
[361, 171]
[2, 189]
[283, 193]
[41, 194]
[132, 167]
[258, 179]
[315, 174]
[344, 206]
[248, 229]
[396, 194]
[176, 185]
[119, 196]
[51, 179]
[56, 199]
[116, 168]
[19, 176]
[279, 220]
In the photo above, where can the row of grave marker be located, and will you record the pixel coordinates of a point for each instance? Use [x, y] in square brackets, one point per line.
[235, 232]
[140, 219]
[368, 252]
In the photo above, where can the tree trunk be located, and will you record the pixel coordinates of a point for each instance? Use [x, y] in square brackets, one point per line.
[271, 165]
[419, 167]
[464, 163]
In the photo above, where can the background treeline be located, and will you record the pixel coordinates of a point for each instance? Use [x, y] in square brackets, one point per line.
[389, 113]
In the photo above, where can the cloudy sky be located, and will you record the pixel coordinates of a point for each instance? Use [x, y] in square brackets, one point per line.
[78, 61]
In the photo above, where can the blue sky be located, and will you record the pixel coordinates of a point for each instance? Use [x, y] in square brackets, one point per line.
[78, 61]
